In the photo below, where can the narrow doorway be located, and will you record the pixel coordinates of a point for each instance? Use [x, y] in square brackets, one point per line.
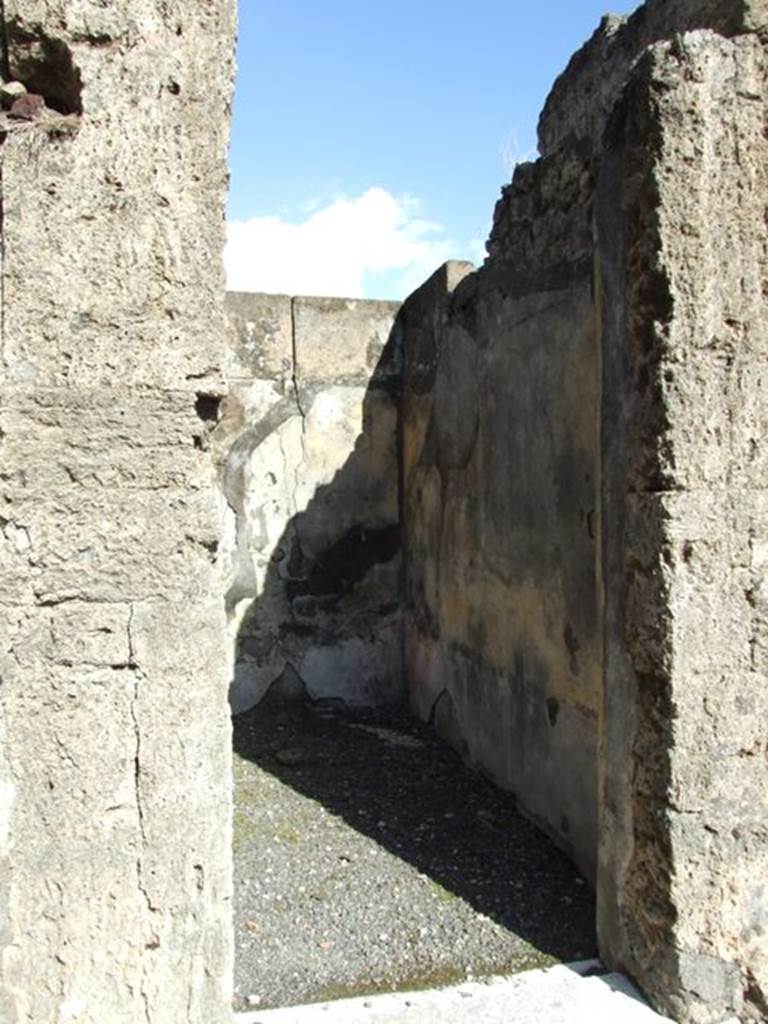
[368, 855]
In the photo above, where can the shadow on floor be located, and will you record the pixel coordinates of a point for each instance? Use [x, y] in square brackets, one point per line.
[486, 883]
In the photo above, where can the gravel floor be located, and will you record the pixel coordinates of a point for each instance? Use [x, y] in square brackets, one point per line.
[369, 859]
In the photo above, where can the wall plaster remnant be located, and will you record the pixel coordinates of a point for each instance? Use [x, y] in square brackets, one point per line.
[500, 470]
[115, 771]
[307, 448]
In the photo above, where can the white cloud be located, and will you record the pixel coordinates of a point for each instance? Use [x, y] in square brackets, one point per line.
[375, 245]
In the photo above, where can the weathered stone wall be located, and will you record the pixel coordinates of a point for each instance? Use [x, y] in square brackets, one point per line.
[683, 271]
[115, 765]
[583, 97]
[582, 469]
[307, 448]
[583, 465]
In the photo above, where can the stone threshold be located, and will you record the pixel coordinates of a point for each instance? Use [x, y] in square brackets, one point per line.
[564, 994]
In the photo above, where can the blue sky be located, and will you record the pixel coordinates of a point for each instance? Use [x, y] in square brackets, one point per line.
[370, 141]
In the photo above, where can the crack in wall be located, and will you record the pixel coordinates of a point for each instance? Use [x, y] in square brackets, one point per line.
[233, 477]
[140, 880]
[137, 760]
[299, 405]
[430, 719]
[295, 368]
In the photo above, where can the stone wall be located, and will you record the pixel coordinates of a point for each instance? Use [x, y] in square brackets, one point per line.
[503, 640]
[307, 448]
[115, 764]
[584, 520]
[581, 483]
[683, 899]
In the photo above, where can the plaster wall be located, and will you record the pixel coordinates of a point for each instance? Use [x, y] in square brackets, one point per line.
[115, 764]
[307, 450]
[503, 640]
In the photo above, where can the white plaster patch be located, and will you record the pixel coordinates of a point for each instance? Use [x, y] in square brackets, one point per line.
[759, 554]
[18, 536]
[329, 408]
[7, 795]
[70, 1010]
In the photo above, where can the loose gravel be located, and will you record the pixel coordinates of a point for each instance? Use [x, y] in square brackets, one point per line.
[368, 858]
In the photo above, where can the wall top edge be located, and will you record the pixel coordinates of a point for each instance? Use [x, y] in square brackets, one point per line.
[320, 301]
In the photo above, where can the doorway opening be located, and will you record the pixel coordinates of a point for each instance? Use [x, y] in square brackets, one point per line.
[372, 850]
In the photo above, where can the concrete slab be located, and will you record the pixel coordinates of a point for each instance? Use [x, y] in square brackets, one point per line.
[566, 994]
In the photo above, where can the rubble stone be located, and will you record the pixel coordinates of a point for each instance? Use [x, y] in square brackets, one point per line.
[11, 91]
[27, 107]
